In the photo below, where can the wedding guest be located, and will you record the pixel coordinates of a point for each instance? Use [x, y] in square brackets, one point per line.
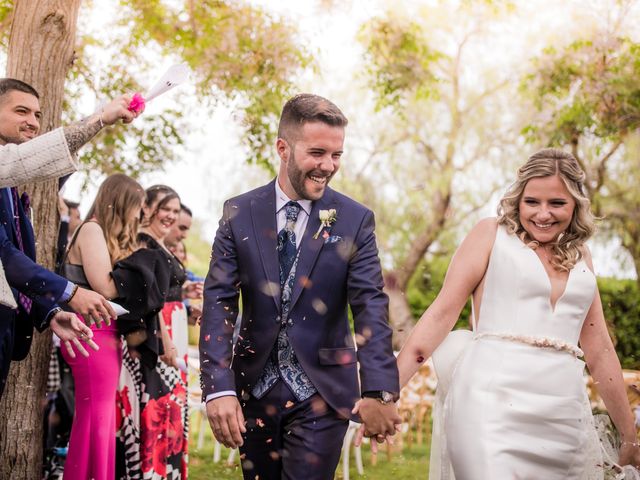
[194, 309]
[180, 229]
[36, 291]
[158, 449]
[105, 237]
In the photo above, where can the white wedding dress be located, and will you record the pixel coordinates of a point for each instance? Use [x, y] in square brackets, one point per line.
[517, 407]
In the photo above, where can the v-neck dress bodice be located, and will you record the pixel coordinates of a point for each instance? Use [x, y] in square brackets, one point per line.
[517, 294]
[517, 406]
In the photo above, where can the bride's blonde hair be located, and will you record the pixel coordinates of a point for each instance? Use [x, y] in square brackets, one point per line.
[567, 250]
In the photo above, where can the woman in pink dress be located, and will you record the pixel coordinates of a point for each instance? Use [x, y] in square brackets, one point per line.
[107, 236]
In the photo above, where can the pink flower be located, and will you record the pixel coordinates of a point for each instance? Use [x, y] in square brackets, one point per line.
[137, 103]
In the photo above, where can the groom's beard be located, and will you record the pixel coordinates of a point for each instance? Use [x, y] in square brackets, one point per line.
[298, 179]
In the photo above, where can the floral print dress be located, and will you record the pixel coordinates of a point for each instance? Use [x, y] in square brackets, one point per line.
[152, 419]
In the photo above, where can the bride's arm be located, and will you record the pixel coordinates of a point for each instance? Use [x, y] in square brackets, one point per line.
[604, 367]
[465, 272]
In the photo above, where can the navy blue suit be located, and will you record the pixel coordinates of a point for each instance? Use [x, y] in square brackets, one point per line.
[23, 274]
[338, 270]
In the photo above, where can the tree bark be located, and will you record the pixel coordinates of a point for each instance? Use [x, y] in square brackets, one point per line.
[397, 281]
[41, 51]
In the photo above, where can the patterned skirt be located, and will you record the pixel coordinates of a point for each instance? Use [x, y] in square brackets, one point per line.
[152, 418]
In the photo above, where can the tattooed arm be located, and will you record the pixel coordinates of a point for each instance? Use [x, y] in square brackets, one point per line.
[81, 132]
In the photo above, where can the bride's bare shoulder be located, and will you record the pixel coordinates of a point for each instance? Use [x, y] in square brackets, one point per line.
[484, 232]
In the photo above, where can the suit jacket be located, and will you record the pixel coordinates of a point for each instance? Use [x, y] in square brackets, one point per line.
[340, 269]
[42, 158]
[24, 275]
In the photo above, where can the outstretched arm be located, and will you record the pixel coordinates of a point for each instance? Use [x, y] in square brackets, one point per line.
[606, 371]
[50, 155]
[81, 132]
[465, 273]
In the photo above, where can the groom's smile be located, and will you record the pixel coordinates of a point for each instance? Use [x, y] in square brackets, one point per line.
[311, 160]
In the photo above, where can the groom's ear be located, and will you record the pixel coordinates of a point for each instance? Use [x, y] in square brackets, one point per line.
[283, 149]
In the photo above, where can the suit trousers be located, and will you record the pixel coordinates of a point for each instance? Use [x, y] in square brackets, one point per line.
[291, 440]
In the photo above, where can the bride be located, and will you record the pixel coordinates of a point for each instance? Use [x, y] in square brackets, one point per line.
[517, 406]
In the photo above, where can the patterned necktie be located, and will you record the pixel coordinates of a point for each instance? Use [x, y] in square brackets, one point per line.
[25, 302]
[287, 241]
[283, 362]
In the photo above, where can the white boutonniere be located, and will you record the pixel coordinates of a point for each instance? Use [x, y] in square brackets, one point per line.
[327, 218]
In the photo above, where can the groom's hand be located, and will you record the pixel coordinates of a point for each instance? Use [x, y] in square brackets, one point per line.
[379, 420]
[226, 420]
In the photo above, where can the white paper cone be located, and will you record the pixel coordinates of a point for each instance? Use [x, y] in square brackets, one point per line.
[175, 75]
[119, 309]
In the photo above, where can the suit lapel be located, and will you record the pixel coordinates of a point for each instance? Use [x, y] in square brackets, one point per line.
[263, 216]
[310, 247]
[6, 213]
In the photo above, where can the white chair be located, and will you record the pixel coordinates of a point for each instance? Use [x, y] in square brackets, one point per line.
[346, 445]
[196, 406]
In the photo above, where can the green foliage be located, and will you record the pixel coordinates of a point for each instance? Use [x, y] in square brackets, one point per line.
[198, 250]
[399, 61]
[587, 88]
[238, 53]
[621, 304]
[426, 285]
[6, 14]
[234, 49]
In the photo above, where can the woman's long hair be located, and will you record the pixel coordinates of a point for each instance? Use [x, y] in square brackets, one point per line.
[567, 250]
[118, 197]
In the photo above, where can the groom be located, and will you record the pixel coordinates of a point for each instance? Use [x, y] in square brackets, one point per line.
[300, 254]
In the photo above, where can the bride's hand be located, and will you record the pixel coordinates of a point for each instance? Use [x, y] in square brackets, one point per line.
[630, 454]
[362, 432]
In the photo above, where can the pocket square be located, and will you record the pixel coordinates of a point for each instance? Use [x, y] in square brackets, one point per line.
[332, 239]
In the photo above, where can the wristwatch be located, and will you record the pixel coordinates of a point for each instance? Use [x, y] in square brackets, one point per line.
[382, 396]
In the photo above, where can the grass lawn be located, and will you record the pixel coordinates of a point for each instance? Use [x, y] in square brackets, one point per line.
[412, 463]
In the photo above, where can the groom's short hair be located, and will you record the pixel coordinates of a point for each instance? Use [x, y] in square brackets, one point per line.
[305, 108]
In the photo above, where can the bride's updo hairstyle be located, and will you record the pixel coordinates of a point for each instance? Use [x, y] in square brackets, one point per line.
[567, 250]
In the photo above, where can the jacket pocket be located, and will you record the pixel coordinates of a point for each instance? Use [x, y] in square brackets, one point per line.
[337, 356]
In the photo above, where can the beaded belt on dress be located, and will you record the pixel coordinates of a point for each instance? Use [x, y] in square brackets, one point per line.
[541, 342]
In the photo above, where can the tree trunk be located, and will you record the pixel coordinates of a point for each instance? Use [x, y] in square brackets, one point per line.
[397, 281]
[41, 49]
[400, 316]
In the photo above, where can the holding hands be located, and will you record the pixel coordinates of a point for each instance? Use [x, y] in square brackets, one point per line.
[379, 420]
